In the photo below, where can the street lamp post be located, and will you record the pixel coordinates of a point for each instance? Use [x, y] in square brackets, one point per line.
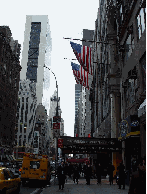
[56, 138]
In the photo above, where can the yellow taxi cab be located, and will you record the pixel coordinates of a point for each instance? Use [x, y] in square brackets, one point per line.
[35, 167]
[8, 181]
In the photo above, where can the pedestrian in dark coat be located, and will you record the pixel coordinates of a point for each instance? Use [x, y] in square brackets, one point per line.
[80, 168]
[142, 176]
[76, 173]
[88, 173]
[70, 170]
[66, 171]
[111, 168]
[84, 168]
[134, 186]
[98, 173]
[121, 169]
[61, 175]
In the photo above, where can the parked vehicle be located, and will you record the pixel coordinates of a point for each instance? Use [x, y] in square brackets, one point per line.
[8, 181]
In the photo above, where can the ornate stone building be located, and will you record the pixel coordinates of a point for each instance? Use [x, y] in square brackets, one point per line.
[9, 86]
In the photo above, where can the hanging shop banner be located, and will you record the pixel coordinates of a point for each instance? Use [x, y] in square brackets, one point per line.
[128, 125]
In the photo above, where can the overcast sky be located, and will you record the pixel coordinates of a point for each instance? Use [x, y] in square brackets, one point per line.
[67, 19]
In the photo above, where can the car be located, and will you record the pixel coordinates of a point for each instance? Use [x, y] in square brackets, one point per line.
[9, 183]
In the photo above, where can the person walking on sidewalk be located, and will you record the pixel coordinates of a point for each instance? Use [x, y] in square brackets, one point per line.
[70, 170]
[93, 171]
[66, 171]
[98, 173]
[121, 169]
[142, 176]
[76, 173]
[80, 168]
[134, 186]
[61, 176]
[88, 172]
[111, 168]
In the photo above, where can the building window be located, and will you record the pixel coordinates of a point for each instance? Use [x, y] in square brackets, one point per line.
[143, 70]
[20, 128]
[141, 21]
[130, 92]
[129, 47]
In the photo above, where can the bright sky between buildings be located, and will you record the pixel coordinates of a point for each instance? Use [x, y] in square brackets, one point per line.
[67, 19]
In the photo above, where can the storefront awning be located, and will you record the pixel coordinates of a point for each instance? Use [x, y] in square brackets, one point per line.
[142, 109]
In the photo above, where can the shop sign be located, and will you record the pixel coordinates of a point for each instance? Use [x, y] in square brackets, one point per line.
[124, 128]
[128, 125]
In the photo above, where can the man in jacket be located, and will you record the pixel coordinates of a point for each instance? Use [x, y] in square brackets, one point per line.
[88, 172]
[121, 169]
[111, 168]
[76, 173]
[61, 176]
[98, 173]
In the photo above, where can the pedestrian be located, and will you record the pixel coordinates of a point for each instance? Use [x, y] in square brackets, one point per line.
[70, 170]
[76, 173]
[93, 171]
[80, 168]
[142, 175]
[98, 173]
[121, 169]
[88, 172]
[111, 168]
[61, 175]
[66, 171]
[134, 186]
[84, 168]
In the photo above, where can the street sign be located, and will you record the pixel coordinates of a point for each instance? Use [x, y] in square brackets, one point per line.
[60, 143]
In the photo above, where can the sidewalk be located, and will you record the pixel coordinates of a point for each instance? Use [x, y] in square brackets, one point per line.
[93, 188]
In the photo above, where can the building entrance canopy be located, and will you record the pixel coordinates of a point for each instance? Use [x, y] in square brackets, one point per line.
[81, 145]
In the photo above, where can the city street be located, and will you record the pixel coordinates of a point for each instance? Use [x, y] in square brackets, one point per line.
[72, 188]
[93, 188]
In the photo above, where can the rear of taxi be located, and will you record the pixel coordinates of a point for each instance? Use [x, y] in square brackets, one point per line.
[33, 170]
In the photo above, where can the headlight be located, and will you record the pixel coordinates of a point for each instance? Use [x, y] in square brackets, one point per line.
[42, 177]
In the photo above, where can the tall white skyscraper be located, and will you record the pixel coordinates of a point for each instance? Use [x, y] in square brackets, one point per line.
[36, 52]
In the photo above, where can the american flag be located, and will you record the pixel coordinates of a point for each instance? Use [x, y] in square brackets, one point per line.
[83, 55]
[81, 76]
